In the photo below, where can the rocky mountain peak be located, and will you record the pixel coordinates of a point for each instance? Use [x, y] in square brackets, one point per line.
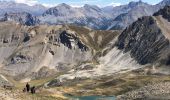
[136, 10]
[165, 12]
[146, 39]
[134, 4]
[60, 10]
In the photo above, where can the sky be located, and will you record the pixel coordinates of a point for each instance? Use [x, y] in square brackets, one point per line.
[78, 3]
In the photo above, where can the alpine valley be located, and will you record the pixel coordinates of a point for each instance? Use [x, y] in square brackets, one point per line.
[85, 53]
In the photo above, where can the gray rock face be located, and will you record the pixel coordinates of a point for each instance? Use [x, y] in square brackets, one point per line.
[22, 17]
[144, 40]
[67, 40]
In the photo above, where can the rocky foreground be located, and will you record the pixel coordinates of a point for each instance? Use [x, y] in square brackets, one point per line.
[11, 95]
[154, 91]
[17, 94]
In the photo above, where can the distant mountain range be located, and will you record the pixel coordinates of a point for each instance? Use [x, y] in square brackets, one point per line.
[21, 17]
[131, 13]
[12, 7]
[88, 15]
[106, 18]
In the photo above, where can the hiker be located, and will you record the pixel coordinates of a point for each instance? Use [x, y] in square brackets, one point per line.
[33, 90]
[28, 87]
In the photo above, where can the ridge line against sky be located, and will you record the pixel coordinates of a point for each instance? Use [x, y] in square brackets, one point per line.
[78, 3]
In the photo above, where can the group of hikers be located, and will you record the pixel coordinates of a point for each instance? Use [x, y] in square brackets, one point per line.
[28, 88]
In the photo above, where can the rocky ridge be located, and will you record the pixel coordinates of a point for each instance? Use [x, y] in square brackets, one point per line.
[144, 31]
[13, 7]
[44, 50]
[23, 18]
[138, 9]
[88, 15]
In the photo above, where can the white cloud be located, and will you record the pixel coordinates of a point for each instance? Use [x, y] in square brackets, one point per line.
[114, 4]
[49, 5]
[29, 2]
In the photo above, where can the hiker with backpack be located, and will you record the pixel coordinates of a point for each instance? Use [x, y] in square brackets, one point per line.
[28, 87]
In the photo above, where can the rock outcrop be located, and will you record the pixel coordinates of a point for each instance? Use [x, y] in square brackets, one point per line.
[144, 40]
